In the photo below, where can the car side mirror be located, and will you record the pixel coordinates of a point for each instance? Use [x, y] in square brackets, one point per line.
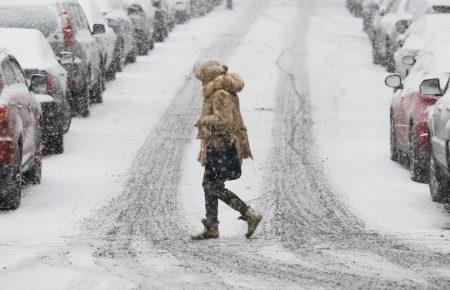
[394, 81]
[66, 58]
[98, 29]
[409, 60]
[38, 84]
[431, 87]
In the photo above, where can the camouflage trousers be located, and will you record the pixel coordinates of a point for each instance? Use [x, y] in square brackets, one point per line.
[215, 190]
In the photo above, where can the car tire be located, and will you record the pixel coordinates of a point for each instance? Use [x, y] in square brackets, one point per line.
[83, 103]
[132, 56]
[13, 190]
[56, 144]
[418, 167]
[376, 57]
[390, 63]
[395, 153]
[438, 183]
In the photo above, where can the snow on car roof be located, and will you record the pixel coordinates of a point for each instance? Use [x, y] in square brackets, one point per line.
[92, 12]
[28, 46]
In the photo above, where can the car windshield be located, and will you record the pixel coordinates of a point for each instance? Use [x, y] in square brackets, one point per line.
[39, 18]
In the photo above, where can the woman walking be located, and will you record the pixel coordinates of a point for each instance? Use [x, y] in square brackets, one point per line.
[224, 145]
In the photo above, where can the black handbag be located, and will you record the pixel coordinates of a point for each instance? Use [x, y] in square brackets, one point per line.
[224, 165]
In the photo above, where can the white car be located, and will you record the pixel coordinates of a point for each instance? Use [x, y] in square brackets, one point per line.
[36, 57]
[106, 41]
[424, 30]
[182, 10]
[391, 24]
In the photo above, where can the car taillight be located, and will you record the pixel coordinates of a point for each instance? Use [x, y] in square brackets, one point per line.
[3, 120]
[402, 26]
[50, 83]
[66, 26]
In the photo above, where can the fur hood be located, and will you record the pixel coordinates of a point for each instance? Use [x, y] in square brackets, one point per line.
[206, 71]
[231, 83]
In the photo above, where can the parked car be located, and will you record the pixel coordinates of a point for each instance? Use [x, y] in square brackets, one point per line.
[423, 31]
[439, 121]
[198, 7]
[354, 6]
[36, 57]
[106, 41]
[20, 134]
[410, 109]
[118, 20]
[392, 23]
[370, 9]
[161, 20]
[64, 25]
[142, 14]
[182, 11]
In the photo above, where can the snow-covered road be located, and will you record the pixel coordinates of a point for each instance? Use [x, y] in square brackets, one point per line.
[116, 209]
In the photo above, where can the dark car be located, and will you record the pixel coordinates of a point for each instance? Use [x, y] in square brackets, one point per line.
[38, 58]
[20, 135]
[64, 25]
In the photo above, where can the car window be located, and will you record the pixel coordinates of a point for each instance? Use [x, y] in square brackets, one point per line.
[83, 20]
[39, 18]
[9, 72]
[74, 16]
[17, 72]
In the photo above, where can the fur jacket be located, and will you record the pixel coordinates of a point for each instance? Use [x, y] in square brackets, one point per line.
[220, 111]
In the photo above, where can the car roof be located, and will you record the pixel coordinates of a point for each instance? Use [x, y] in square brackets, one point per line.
[29, 46]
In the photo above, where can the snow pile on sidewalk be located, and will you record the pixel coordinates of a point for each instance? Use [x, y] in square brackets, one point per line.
[351, 115]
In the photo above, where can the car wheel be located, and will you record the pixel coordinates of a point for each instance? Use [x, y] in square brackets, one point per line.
[132, 56]
[376, 57]
[97, 92]
[55, 144]
[395, 153]
[390, 64]
[33, 176]
[83, 103]
[418, 164]
[13, 189]
[438, 183]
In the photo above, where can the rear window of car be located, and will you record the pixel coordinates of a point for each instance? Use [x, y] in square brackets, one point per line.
[40, 18]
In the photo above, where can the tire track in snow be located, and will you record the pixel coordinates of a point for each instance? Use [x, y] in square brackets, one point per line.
[308, 219]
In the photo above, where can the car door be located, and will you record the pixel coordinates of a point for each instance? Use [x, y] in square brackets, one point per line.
[19, 93]
[402, 115]
[83, 36]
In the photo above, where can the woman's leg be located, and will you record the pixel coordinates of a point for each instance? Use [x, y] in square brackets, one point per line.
[216, 190]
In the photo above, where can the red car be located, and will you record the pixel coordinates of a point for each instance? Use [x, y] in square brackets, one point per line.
[20, 135]
[409, 116]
